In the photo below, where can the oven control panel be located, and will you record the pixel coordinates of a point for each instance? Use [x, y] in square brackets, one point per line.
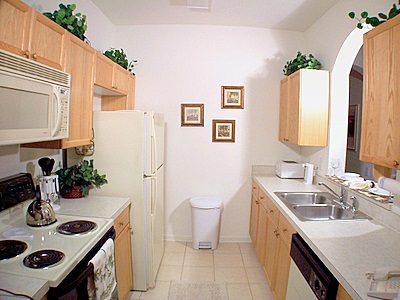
[16, 189]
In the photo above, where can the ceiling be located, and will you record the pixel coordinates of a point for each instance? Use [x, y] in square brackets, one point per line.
[296, 15]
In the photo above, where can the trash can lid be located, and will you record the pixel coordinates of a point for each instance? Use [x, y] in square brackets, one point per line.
[206, 202]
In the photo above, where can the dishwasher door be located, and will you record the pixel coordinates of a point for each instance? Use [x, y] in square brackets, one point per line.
[317, 281]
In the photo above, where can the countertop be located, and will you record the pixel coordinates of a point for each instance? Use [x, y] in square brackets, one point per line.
[349, 249]
[91, 206]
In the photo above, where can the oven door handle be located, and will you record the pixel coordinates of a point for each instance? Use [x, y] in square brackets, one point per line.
[68, 286]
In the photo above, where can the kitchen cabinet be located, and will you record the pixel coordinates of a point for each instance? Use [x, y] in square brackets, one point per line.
[380, 142]
[272, 242]
[342, 294]
[28, 33]
[123, 256]
[304, 107]
[254, 210]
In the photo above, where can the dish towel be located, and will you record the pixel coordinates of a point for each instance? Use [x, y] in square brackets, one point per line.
[102, 283]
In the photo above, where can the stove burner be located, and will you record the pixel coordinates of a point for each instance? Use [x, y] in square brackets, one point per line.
[11, 248]
[76, 227]
[43, 258]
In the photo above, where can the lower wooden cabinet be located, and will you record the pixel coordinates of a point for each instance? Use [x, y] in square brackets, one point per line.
[123, 256]
[342, 294]
[272, 235]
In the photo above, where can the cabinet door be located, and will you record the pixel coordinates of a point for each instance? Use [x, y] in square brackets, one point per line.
[15, 19]
[123, 258]
[270, 251]
[80, 63]
[262, 233]
[255, 204]
[283, 111]
[130, 101]
[293, 108]
[121, 80]
[47, 42]
[282, 271]
[104, 71]
[380, 142]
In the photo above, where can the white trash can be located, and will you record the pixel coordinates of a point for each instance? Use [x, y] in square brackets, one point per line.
[206, 220]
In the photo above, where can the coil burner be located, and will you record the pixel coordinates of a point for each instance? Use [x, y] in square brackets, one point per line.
[11, 248]
[43, 259]
[77, 227]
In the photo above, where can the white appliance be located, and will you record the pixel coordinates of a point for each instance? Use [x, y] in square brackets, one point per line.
[289, 169]
[34, 101]
[129, 149]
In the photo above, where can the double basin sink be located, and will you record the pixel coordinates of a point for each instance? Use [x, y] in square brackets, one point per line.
[318, 206]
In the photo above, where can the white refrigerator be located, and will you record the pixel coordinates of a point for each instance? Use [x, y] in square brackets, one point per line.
[129, 149]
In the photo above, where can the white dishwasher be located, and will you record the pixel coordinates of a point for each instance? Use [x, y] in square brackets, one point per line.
[309, 279]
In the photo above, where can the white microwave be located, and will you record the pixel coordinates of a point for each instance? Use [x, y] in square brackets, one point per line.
[34, 101]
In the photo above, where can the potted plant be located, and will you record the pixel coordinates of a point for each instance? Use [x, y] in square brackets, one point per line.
[301, 62]
[375, 21]
[76, 24]
[76, 180]
[118, 56]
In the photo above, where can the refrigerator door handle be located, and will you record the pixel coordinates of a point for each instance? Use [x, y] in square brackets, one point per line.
[145, 175]
[153, 195]
[153, 149]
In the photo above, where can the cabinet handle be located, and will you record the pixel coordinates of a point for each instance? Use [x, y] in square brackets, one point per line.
[396, 163]
[284, 229]
[254, 187]
[26, 53]
[121, 223]
[286, 140]
[271, 211]
[257, 202]
[276, 233]
[34, 56]
[261, 197]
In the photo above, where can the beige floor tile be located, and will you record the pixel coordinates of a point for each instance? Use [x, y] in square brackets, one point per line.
[256, 275]
[228, 260]
[247, 248]
[227, 248]
[251, 260]
[261, 291]
[169, 273]
[173, 258]
[198, 274]
[134, 295]
[239, 291]
[160, 292]
[198, 260]
[171, 246]
[231, 275]
[189, 249]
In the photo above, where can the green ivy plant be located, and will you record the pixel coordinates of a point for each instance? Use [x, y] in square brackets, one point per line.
[76, 24]
[301, 62]
[374, 21]
[83, 174]
[118, 56]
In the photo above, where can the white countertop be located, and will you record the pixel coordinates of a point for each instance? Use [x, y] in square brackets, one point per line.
[348, 248]
[91, 206]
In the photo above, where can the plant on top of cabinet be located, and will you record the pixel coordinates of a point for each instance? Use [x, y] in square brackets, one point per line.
[118, 56]
[301, 62]
[76, 180]
[76, 24]
[374, 21]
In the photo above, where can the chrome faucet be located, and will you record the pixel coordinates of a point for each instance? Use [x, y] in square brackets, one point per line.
[343, 193]
[355, 205]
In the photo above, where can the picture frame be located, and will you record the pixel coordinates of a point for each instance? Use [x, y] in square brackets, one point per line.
[352, 129]
[223, 131]
[232, 97]
[192, 115]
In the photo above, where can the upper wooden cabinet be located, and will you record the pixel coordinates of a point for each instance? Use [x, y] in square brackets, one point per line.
[110, 75]
[380, 134]
[304, 107]
[28, 33]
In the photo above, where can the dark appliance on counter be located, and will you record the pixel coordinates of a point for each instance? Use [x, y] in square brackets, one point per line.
[61, 250]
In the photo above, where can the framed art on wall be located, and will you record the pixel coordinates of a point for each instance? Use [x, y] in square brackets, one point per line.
[232, 97]
[223, 131]
[192, 115]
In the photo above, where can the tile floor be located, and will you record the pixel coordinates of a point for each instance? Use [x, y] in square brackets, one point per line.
[235, 264]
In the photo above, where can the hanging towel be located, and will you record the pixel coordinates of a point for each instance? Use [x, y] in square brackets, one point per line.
[102, 284]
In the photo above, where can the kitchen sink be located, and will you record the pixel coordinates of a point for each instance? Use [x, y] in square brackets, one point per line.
[318, 206]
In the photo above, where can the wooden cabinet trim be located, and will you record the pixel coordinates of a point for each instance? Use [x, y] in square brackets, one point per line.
[121, 221]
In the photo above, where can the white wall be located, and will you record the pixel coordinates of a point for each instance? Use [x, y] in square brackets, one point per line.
[189, 64]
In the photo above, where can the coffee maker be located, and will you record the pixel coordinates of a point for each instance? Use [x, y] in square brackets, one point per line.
[48, 182]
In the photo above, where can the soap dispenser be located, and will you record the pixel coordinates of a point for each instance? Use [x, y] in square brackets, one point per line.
[308, 173]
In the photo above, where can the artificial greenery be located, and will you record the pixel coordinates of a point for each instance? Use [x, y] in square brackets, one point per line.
[118, 56]
[375, 21]
[83, 175]
[301, 62]
[76, 24]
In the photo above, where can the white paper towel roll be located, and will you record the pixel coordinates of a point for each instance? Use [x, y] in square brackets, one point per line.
[390, 185]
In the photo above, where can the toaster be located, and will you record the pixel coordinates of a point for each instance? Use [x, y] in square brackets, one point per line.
[289, 169]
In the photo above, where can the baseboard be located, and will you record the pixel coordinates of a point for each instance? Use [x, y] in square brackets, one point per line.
[222, 239]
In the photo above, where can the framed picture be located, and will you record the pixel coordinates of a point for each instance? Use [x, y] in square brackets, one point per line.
[232, 97]
[352, 129]
[223, 131]
[192, 115]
